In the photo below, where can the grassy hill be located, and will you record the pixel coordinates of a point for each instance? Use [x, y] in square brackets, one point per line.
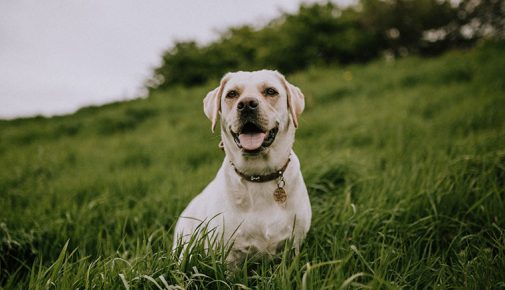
[404, 160]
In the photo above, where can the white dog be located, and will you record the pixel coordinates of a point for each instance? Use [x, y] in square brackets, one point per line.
[258, 198]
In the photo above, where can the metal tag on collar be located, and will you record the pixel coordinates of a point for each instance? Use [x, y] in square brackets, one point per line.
[280, 195]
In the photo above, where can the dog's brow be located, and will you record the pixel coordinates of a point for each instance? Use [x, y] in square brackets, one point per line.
[237, 85]
[265, 85]
[237, 88]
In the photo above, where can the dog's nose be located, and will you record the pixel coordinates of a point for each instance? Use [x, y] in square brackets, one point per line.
[247, 104]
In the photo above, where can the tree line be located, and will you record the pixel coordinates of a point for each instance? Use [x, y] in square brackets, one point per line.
[328, 34]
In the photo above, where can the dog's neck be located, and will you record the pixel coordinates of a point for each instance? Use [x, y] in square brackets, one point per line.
[260, 165]
[260, 178]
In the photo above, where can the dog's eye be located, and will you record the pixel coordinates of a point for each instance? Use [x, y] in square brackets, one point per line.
[270, 92]
[232, 94]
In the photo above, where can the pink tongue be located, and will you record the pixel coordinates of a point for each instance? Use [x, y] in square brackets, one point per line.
[251, 141]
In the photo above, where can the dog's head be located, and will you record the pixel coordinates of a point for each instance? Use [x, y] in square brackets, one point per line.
[259, 113]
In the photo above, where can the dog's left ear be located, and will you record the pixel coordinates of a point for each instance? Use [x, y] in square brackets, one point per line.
[212, 102]
[296, 100]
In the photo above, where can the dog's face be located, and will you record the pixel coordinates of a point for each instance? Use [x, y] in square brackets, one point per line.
[259, 112]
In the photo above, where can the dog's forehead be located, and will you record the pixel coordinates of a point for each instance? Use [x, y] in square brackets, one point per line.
[254, 79]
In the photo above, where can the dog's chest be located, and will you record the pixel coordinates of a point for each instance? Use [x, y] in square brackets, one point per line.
[264, 231]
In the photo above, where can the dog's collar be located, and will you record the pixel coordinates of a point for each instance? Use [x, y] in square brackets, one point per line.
[263, 178]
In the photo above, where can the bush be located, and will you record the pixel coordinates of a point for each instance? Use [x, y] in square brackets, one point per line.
[326, 34]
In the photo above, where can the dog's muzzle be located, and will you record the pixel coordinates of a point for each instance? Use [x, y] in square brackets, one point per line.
[252, 137]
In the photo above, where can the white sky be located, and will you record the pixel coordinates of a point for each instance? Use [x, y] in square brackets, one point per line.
[59, 55]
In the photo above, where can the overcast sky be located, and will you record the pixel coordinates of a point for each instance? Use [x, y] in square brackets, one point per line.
[59, 55]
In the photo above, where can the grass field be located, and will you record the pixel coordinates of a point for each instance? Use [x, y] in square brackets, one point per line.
[404, 161]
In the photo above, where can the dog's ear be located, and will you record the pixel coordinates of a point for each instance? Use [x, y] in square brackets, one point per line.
[212, 102]
[211, 106]
[296, 100]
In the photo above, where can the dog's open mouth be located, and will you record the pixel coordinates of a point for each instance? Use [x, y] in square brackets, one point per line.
[252, 138]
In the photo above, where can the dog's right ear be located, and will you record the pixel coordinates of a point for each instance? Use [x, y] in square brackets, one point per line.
[212, 102]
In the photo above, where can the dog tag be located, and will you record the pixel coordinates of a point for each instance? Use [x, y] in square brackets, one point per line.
[280, 195]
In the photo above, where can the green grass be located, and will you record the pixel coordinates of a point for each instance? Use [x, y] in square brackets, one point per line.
[405, 164]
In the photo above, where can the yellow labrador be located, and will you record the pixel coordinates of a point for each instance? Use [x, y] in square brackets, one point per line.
[258, 198]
